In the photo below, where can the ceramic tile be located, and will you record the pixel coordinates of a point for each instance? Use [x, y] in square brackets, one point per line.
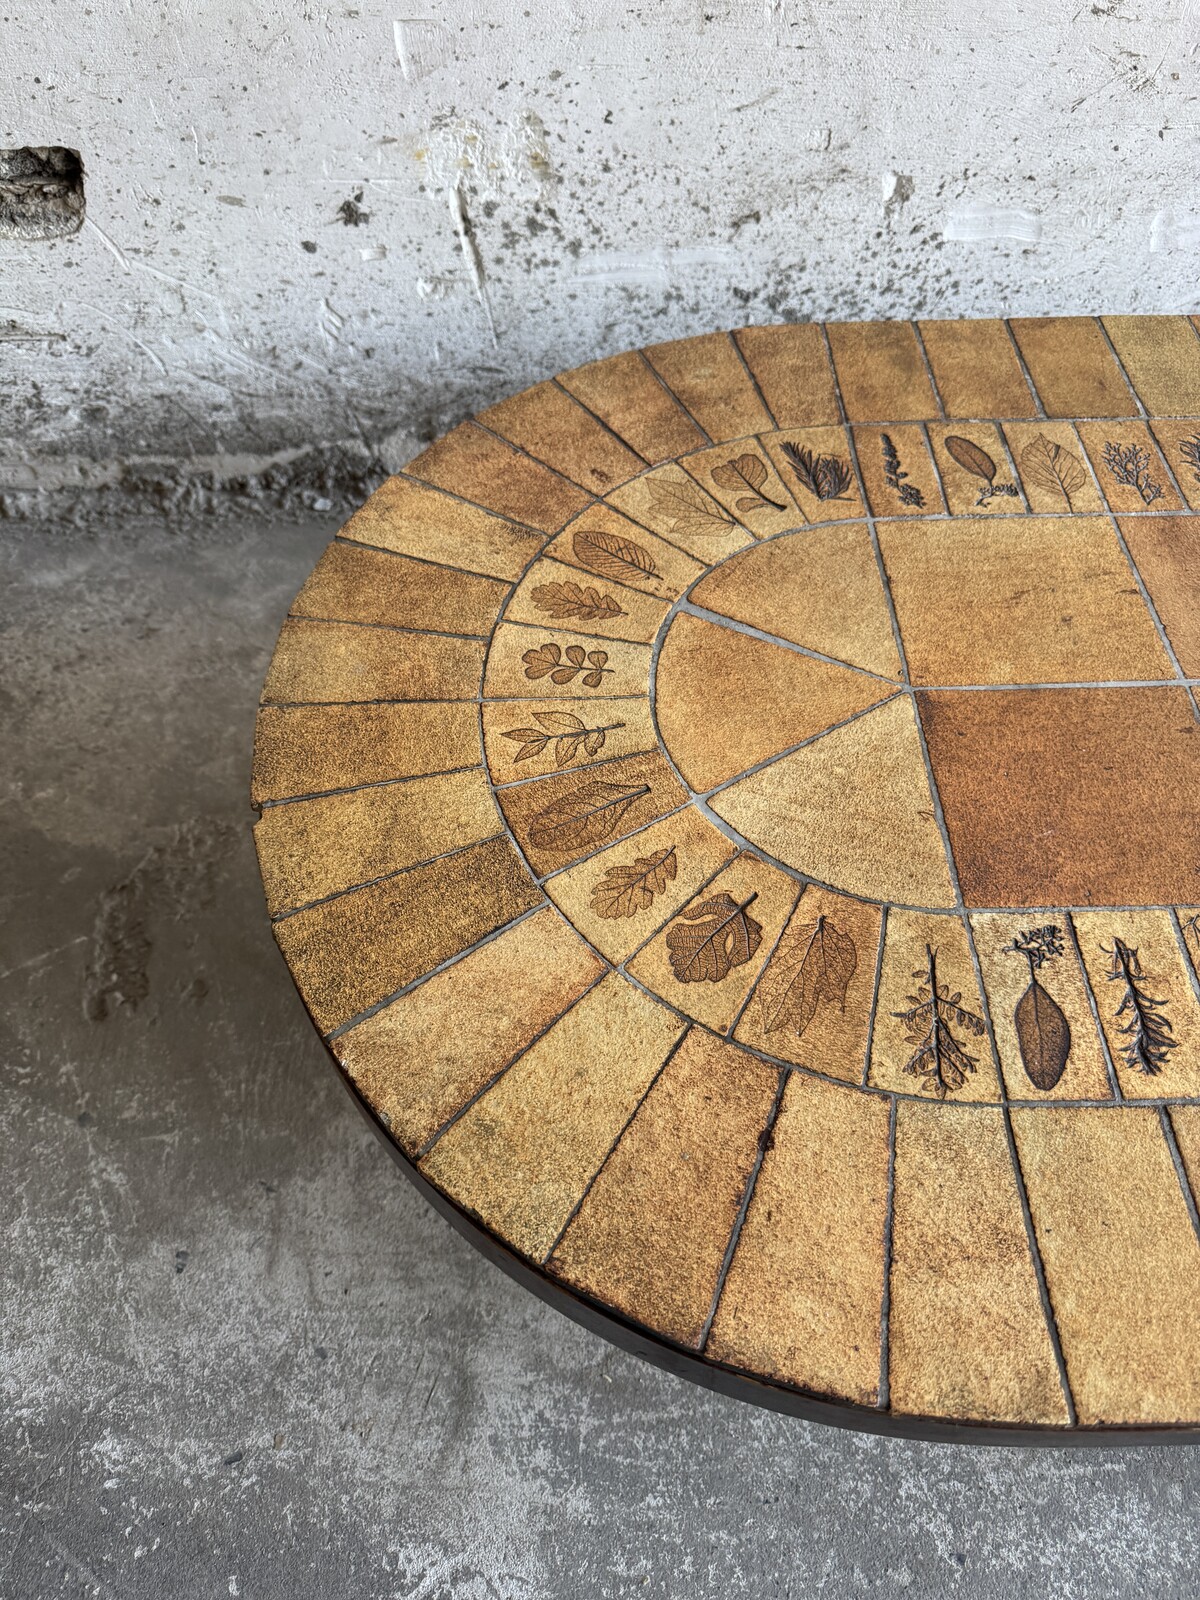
[898, 471]
[650, 1236]
[522, 1156]
[779, 699]
[742, 478]
[1129, 466]
[881, 372]
[813, 1002]
[490, 473]
[1071, 787]
[349, 953]
[803, 1300]
[606, 545]
[1185, 1124]
[551, 662]
[1072, 368]
[624, 391]
[967, 1335]
[710, 378]
[417, 1073]
[334, 661]
[1024, 600]
[414, 520]
[554, 428]
[1053, 467]
[353, 584]
[1179, 443]
[309, 749]
[818, 469]
[530, 738]
[552, 592]
[1121, 1259]
[669, 502]
[836, 808]
[791, 366]
[1166, 552]
[976, 473]
[308, 849]
[1161, 356]
[820, 589]
[976, 369]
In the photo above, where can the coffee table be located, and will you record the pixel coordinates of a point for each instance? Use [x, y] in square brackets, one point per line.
[733, 813]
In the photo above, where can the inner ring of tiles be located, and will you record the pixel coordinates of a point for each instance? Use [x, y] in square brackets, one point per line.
[746, 853]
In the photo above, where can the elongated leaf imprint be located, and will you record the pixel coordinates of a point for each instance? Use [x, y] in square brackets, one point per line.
[975, 460]
[1043, 1032]
[747, 472]
[584, 816]
[817, 968]
[712, 937]
[565, 731]
[624, 891]
[686, 508]
[1051, 467]
[571, 600]
[612, 556]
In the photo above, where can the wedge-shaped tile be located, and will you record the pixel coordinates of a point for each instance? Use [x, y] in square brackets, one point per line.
[353, 584]
[349, 953]
[651, 1234]
[705, 961]
[416, 1072]
[803, 1300]
[821, 589]
[881, 372]
[976, 473]
[1161, 357]
[563, 818]
[1072, 367]
[625, 392]
[491, 473]
[852, 809]
[1046, 1035]
[619, 898]
[1053, 467]
[671, 503]
[726, 701]
[812, 1004]
[817, 467]
[550, 661]
[308, 849]
[976, 368]
[1185, 1124]
[1179, 442]
[551, 593]
[344, 662]
[1121, 1258]
[968, 1338]
[1129, 466]
[897, 471]
[553, 427]
[1144, 993]
[612, 548]
[931, 1035]
[1166, 552]
[791, 366]
[521, 1157]
[415, 520]
[710, 378]
[529, 738]
[311, 749]
[743, 479]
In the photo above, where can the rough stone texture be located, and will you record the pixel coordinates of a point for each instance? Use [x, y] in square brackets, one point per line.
[238, 1356]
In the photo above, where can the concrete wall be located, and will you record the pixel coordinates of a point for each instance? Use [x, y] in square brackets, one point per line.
[318, 222]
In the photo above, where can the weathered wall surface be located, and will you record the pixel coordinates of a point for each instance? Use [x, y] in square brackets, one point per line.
[358, 222]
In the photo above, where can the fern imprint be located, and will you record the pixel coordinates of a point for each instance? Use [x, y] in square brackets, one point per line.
[1130, 465]
[894, 477]
[1148, 1031]
[828, 477]
[939, 1058]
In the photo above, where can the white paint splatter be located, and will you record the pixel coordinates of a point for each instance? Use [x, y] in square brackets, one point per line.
[979, 221]
[1169, 231]
[422, 46]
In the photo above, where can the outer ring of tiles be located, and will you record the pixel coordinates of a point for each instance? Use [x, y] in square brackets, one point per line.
[737, 1378]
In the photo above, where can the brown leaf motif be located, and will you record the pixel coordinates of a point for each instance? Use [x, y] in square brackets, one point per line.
[549, 660]
[612, 556]
[571, 600]
[1043, 1032]
[816, 968]
[1051, 467]
[583, 816]
[827, 477]
[975, 460]
[747, 472]
[624, 891]
[712, 937]
[687, 509]
[565, 731]
[1140, 1016]
[939, 1056]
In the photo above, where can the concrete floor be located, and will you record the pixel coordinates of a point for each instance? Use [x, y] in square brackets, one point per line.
[238, 1356]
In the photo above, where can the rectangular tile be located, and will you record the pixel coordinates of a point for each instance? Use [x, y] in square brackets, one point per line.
[490, 473]
[1072, 367]
[346, 662]
[976, 473]
[605, 544]
[881, 372]
[309, 749]
[968, 1337]
[551, 662]
[416, 1072]
[1129, 466]
[791, 365]
[803, 1299]
[1121, 1258]
[672, 504]
[1179, 442]
[1166, 551]
[976, 368]
[1161, 356]
[555, 429]
[709, 377]
[552, 592]
[311, 848]
[347, 954]
[1053, 467]
[531, 738]
[651, 1234]
[353, 584]
[522, 1156]
[415, 520]
[624, 391]
[898, 471]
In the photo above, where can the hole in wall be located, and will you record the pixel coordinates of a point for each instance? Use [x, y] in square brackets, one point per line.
[41, 192]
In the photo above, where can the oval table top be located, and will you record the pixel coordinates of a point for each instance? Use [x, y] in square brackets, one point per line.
[731, 812]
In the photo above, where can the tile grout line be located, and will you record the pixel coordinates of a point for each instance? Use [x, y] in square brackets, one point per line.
[732, 335]
[705, 795]
[929, 372]
[557, 382]
[1110, 1064]
[565, 772]
[373, 783]
[757, 977]
[985, 1002]
[843, 419]
[609, 844]
[734, 625]
[1039, 408]
[623, 964]
[344, 540]
[1152, 609]
[1189, 966]
[864, 1082]
[384, 627]
[884, 1401]
[691, 416]
[1172, 1142]
[1120, 365]
[538, 461]
[504, 517]
[383, 877]
[937, 469]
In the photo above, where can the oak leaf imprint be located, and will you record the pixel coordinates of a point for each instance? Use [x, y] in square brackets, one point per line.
[626, 890]
[572, 600]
